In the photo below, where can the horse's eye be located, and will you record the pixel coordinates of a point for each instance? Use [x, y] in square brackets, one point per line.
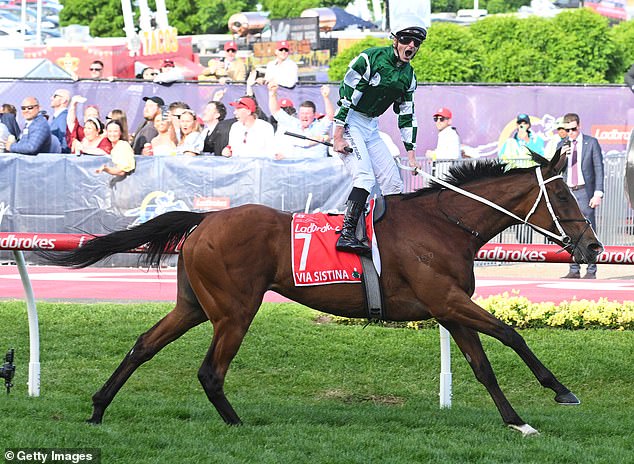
[561, 196]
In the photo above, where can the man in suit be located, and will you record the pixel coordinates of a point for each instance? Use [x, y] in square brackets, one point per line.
[59, 102]
[216, 127]
[584, 176]
[36, 135]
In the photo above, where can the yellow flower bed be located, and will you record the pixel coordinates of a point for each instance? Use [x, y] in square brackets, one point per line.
[520, 312]
[575, 314]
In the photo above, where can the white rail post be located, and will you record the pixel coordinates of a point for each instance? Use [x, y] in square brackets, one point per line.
[445, 368]
[34, 331]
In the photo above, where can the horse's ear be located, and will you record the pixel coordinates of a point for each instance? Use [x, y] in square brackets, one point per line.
[537, 158]
[559, 161]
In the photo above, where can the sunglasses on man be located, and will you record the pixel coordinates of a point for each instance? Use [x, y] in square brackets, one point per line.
[96, 69]
[29, 107]
[407, 39]
[572, 129]
[439, 118]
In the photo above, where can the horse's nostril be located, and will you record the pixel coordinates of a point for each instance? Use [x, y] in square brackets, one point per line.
[596, 248]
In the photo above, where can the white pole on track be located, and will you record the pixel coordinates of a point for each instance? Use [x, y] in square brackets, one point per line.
[445, 368]
[34, 331]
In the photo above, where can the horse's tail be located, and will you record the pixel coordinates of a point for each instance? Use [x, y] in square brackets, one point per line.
[161, 234]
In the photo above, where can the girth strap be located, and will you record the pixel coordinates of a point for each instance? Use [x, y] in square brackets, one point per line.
[372, 287]
[370, 278]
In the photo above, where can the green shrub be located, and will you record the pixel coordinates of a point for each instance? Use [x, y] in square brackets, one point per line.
[450, 54]
[339, 64]
[623, 38]
[576, 46]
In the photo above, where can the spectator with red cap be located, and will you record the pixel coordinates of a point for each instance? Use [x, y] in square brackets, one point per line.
[448, 146]
[305, 124]
[249, 136]
[282, 70]
[287, 105]
[169, 73]
[229, 69]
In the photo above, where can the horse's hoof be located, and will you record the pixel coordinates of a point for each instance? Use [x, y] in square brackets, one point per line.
[567, 399]
[527, 430]
[93, 421]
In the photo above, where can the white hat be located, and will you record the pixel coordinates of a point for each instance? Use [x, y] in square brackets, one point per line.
[412, 24]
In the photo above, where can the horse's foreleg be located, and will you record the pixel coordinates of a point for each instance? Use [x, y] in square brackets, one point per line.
[473, 316]
[471, 347]
[228, 336]
[182, 318]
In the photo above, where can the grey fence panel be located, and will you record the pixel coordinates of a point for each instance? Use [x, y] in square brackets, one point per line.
[63, 194]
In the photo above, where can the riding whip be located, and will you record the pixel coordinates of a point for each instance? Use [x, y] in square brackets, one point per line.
[303, 137]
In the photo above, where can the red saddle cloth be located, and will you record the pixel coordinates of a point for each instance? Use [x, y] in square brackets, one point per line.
[316, 261]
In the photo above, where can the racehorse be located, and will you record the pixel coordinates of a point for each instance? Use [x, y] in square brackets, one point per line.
[428, 240]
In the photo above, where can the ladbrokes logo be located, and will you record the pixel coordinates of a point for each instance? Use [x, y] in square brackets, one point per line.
[610, 134]
[500, 254]
[13, 242]
[622, 256]
[312, 228]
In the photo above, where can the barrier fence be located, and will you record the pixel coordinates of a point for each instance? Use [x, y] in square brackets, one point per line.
[500, 252]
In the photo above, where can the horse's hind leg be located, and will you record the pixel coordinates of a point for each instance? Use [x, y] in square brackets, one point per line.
[469, 343]
[186, 314]
[228, 336]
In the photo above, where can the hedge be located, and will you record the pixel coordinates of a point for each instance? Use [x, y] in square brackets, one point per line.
[576, 46]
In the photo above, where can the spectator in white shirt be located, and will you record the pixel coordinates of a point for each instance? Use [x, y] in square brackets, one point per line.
[282, 70]
[306, 124]
[249, 136]
[448, 146]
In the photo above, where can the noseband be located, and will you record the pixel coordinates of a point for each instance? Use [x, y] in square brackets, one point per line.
[564, 238]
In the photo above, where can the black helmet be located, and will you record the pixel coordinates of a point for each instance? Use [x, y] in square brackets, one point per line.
[412, 31]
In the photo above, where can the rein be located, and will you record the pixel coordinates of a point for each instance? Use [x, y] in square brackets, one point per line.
[563, 237]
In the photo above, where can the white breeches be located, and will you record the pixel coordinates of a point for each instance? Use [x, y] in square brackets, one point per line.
[370, 161]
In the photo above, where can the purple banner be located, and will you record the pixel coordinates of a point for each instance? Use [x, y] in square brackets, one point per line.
[483, 115]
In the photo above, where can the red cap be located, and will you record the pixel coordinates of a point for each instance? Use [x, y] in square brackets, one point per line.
[286, 103]
[167, 63]
[444, 112]
[283, 44]
[244, 102]
[231, 45]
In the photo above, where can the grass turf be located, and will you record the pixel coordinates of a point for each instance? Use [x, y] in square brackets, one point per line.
[311, 392]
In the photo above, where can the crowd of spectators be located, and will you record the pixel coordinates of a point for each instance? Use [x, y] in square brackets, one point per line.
[70, 124]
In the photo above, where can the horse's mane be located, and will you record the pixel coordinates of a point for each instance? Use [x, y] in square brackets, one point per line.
[462, 173]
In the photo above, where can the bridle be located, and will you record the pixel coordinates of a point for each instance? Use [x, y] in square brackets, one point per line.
[563, 237]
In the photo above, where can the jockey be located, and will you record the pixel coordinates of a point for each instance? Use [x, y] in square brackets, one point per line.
[376, 79]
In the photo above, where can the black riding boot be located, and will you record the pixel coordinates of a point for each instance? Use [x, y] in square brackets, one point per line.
[348, 240]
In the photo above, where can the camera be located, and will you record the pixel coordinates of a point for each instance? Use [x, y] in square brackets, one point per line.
[260, 72]
[7, 371]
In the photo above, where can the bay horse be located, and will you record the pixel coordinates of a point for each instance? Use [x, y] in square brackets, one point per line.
[428, 240]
